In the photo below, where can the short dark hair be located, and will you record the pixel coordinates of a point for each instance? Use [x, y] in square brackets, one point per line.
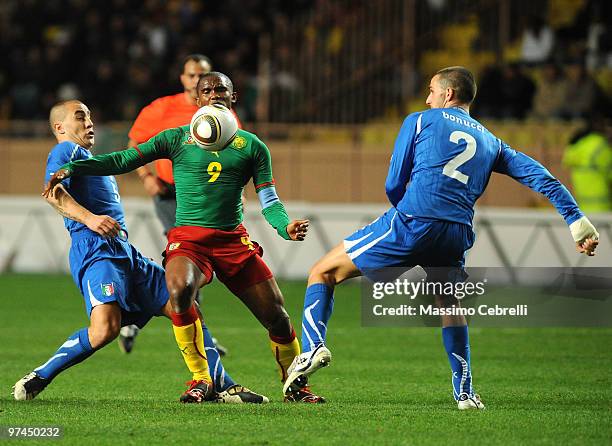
[196, 57]
[218, 74]
[461, 80]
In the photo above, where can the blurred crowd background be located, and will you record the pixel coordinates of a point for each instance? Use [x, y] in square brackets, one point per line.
[356, 59]
[118, 55]
[544, 70]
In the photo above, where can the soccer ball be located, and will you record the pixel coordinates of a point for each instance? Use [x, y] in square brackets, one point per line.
[213, 127]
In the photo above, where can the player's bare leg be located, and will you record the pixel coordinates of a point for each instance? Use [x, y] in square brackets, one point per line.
[105, 324]
[103, 328]
[333, 268]
[266, 302]
[184, 279]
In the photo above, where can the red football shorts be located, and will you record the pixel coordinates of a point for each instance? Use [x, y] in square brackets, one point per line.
[234, 258]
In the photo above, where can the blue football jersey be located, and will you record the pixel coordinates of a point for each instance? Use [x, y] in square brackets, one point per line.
[442, 162]
[99, 195]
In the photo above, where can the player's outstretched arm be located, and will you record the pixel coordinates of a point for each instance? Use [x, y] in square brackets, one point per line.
[116, 163]
[67, 206]
[110, 164]
[119, 162]
[151, 183]
[534, 175]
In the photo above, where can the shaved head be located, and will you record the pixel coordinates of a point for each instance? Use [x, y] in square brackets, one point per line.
[71, 121]
[58, 112]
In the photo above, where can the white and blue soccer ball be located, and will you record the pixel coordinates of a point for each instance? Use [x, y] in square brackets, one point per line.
[213, 127]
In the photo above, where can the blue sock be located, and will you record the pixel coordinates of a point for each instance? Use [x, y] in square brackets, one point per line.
[457, 345]
[221, 378]
[76, 349]
[318, 307]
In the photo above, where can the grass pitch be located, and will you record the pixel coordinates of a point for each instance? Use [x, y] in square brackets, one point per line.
[385, 386]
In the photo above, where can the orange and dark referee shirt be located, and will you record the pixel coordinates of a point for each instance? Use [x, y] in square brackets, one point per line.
[161, 114]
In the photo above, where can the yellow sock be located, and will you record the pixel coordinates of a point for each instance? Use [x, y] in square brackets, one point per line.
[190, 341]
[284, 354]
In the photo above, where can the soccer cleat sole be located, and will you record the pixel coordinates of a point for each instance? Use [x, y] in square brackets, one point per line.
[238, 394]
[20, 391]
[320, 358]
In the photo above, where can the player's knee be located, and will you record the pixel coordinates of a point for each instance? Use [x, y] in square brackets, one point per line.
[278, 323]
[320, 273]
[316, 271]
[103, 333]
[182, 293]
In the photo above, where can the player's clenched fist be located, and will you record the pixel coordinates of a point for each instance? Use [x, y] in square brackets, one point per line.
[297, 229]
[103, 224]
[585, 235]
[56, 178]
[587, 246]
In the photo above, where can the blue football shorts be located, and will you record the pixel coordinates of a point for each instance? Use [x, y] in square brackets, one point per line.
[395, 240]
[112, 270]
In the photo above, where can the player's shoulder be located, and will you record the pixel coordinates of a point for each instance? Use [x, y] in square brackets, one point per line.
[247, 140]
[436, 114]
[416, 121]
[429, 113]
[64, 146]
[67, 150]
[421, 117]
[180, 128]
[174, 132]
[245, 134]
[173, 137]
[457, 116]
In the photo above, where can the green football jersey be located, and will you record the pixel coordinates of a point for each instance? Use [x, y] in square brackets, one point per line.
[208, 184]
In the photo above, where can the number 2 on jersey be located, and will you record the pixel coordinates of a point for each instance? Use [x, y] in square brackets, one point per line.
[214, 170]
[450, 168]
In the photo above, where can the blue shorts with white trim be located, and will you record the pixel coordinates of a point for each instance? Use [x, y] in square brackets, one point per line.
[395, 240]
[112, 270]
